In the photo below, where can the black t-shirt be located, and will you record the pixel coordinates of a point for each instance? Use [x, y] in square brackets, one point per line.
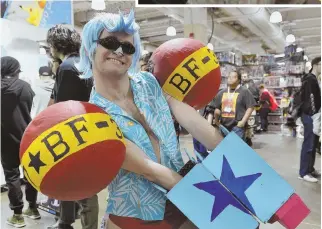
[233, 105]
[68, 85]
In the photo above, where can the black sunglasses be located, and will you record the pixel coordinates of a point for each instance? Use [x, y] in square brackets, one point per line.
[112, 43]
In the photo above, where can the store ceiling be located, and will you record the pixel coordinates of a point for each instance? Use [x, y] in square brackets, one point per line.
[244, 29]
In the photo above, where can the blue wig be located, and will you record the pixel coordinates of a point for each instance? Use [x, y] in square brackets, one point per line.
[112, 23]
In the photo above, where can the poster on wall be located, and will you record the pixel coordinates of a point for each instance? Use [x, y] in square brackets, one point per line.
[39, 13]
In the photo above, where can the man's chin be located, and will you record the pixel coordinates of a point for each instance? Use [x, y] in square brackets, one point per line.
[115, 72]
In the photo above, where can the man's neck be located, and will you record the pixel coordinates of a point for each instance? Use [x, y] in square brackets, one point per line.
[233, 87]
[113, 88]
[314, 72]
[61, 57]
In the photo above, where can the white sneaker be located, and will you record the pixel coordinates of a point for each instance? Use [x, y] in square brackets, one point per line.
[309, 178]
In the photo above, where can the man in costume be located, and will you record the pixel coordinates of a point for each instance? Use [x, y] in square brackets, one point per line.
[64, 45]
[110, 54]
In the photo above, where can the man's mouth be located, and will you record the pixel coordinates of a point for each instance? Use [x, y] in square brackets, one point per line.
[115, 61]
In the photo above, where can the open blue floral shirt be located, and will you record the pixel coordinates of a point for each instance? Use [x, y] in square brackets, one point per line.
[129, 194]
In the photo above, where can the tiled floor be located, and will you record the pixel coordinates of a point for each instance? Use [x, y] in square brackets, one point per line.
[282, 153]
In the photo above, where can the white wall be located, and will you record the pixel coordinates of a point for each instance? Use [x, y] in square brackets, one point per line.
[20, 42]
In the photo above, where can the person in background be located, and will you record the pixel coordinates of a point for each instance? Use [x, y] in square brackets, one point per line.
[250, 85]
[64, 45]
[16, 102]
[144, 60]
[265, 102]
[233, 105]
[311, 104]
[55, 65]
[43, 88]
[54, 68]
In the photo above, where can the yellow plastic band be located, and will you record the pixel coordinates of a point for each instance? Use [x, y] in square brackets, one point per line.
[65, 139]
[189, 72]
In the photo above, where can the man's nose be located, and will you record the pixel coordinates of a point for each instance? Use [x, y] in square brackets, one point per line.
[119, 51]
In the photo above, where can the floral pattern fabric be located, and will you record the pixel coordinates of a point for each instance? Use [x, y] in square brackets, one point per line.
[132, 195]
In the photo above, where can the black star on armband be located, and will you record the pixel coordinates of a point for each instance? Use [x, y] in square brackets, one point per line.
[35, 161]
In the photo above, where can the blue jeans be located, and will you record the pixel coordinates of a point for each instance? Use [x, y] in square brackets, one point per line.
[239, 131]
[308, 148]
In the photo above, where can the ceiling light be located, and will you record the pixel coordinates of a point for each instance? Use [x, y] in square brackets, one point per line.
[299, 49]
[98, 4]
[276, 17]
[171, 31]
[210, 46]
[290, 38]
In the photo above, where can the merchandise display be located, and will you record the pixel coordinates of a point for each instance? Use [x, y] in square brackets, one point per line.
[283, 82]
[226, 57]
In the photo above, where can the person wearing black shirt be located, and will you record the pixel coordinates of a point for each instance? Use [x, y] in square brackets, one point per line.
[310, 105]
[16, 103]
[64, 45]
[234, 105]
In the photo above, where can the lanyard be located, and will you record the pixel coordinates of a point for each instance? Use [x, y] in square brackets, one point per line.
[229, 94]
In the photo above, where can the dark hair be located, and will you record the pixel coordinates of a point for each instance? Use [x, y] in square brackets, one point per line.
[239, 75]
[10, 67]
[262, 86]
[145, 58]
[63, 39]
[315, 61]
[59, 61]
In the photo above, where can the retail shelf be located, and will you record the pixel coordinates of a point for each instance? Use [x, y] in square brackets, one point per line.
[250, 65]
[275, 114]
[295, 74]
[226, 62]
[276, 122]
[279, 76]
[277, 87]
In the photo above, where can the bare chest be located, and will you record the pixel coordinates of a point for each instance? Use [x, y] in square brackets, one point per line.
[134, 112]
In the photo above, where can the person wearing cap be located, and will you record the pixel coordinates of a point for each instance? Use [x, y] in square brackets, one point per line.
[310, 105]
[42, 87]
[16, 103]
